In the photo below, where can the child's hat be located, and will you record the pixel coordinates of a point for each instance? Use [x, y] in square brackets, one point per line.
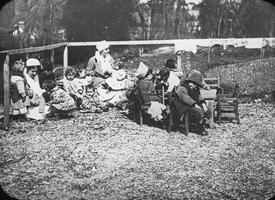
[171, 64]
[32, 62]
[142, 70]
[102, 45]
[196, 77]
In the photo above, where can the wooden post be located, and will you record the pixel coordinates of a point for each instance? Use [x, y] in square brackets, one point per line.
[140, 51]
[188, 62]
[27, 56]
[179, 61]
[6, 93]
[65, 57]
[209, 53]
[52, 57]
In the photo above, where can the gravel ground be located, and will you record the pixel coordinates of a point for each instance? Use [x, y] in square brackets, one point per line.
[108, 156]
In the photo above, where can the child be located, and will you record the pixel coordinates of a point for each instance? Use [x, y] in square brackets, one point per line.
[147, 92]
[46, 74]
[47, 71]
[19, 90]
[188, 99]
[61, 102]
[72, 86]
[174, 75]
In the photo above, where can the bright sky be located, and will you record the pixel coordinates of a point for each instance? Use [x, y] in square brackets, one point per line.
[193, 1]
[187, 1]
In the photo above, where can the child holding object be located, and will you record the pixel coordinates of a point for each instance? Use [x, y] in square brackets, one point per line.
[19, 90]
[37, 109]
[174, 74]
[147, 92]
[71, 85]
[188, 99]
[61, 103]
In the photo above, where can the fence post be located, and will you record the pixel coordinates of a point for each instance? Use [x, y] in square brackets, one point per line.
[52, 57]
[209, 53]
[179, 61]
[65, 57]
[140, 51]
[188, 62]
[6, 93]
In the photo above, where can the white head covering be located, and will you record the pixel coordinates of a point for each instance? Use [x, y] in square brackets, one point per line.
[173, 81]
[102, 45]
[32, 62]
[142, 70]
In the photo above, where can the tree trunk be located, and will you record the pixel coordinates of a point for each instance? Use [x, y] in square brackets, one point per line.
[142, 23]
[219, 26]
[51, 21]
[164, 20]
[271, 31]
[149, 23]
[176, 20]
[178, 8]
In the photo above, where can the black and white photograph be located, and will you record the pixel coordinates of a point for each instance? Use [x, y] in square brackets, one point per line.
[137, 100]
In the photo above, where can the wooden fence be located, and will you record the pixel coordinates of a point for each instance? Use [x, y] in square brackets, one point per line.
[65, 45]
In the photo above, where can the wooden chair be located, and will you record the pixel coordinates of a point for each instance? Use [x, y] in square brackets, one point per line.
[229, 103]
[209, 92]
[167, 100]
[213, 83]
[139, 109]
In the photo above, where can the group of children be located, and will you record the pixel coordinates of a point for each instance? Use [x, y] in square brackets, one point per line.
[63, 94]
[29, 99]
[185, 94]
[61, 90]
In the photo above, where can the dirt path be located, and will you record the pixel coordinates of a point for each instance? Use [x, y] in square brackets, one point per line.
[107, 156]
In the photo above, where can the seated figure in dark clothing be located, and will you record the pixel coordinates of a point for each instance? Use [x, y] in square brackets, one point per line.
[188, 98]
[46, 74]
[147, 92]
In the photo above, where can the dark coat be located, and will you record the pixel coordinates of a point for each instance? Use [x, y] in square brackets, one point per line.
[147, 91]
[186, 95]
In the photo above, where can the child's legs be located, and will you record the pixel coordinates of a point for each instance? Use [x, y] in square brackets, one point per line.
[52, 111]
[178, 108]
[196, 115]
[208, 113]
[77, 100]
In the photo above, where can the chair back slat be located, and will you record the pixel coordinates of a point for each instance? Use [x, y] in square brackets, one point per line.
[213, 83]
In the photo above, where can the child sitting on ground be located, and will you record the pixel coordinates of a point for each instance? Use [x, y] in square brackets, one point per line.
[72, 86]
[61, 103]
[147, 92]
[19, 91]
